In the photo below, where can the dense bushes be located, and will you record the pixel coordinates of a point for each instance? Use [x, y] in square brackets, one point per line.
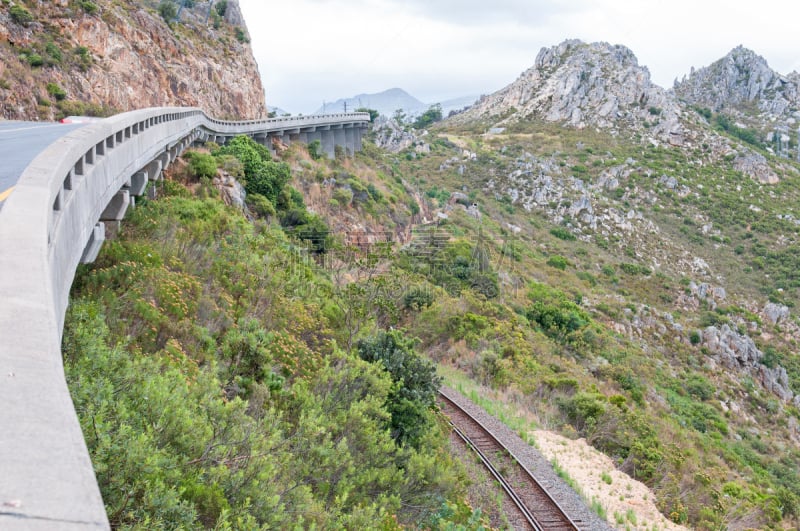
[20, 15]
[261, 174]
[212, 396]
[416, 384]
[557, 316]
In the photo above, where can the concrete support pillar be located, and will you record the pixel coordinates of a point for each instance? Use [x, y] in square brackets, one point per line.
[339, 137]
[359, 131]
[154, 170]
[165, 160]
[302, 138]
[94, 244]
[350, 140]
[117, 207]
[312, 136]
[270, 141]
[138, 183]
[328, 143]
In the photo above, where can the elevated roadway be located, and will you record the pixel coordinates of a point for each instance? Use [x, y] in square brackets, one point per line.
[53, 220]
[20, 142]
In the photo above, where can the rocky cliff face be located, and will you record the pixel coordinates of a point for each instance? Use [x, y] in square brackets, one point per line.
[100, 57]
[583, 85]
[740, 79]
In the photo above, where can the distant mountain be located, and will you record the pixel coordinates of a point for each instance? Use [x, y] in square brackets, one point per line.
[386, 103]
[581, 85]
[457, 104]
[739, 80]
[278, 111]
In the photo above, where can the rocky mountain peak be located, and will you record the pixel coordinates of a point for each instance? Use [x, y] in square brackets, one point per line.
[584, 84]
[740, 79]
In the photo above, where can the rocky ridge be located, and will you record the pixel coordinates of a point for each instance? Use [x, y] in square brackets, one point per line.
[584, 85]
[742, 78]
[115, 57]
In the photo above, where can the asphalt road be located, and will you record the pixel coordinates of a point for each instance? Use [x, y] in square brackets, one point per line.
[20, 142]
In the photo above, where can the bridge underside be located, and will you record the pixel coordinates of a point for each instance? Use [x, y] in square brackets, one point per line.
[347, 137]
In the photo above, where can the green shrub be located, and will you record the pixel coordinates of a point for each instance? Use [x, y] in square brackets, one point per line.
[262, 175]
[343, 196]
[315, 150]
[54, 52]
[416, 383]
[88, 6]
[221, 7]
[374, 193]
[57, 92]
[84, 57]
[429, 117]
[559, 262]
[167, 10]
[418, 298]
[563, 234]
[557, 316]
[230, 164]
[694, 337]
[699, 387]
[35, 59]
[241, 36]
[202, 165]
[635, 269]
[260, 205]
[20, 15]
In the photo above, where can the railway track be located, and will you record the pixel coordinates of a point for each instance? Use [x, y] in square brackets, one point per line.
[536, 509]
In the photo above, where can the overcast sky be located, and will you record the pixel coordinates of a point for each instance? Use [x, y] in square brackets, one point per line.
[310, 51]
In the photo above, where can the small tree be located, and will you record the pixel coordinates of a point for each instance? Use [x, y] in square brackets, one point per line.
[203, 165]
[20, 15]
[221, 7]
[432, 115]
[167, 10]
[315, 150]
[416, 383]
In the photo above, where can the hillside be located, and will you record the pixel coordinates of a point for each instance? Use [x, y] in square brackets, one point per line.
[582, 253]
[101, 57]
[657, 275]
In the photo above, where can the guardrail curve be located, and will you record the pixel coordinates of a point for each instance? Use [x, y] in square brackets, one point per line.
[47, 227]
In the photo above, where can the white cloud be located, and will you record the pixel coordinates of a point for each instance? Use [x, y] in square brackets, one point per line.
[314, 50]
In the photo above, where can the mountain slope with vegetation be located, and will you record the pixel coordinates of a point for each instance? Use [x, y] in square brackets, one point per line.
[651, 283]
[207, 360]
[271, 367]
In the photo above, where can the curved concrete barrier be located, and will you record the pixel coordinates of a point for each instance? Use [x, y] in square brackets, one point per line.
[48, 225]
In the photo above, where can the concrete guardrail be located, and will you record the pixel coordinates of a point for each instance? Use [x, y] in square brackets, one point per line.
[51, 223]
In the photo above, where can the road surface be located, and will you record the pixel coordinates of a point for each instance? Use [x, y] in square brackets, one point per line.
[20, 142]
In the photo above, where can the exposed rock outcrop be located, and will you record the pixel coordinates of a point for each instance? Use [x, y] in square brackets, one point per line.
[124, 56]
[735, 351]
[741, 77]
[391, 136]
[755, 166]
[583, 85]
